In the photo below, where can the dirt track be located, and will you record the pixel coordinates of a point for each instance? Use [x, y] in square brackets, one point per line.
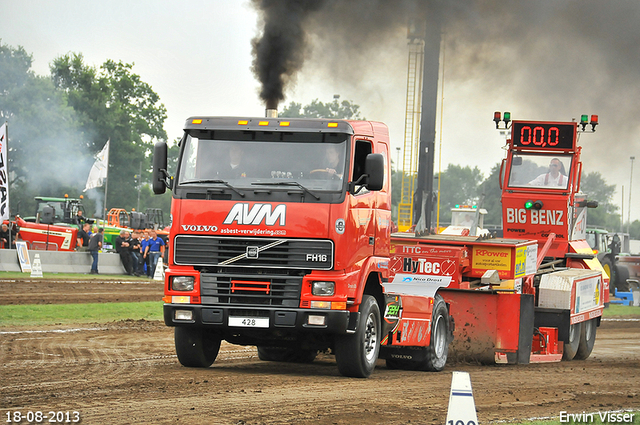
[127, 372]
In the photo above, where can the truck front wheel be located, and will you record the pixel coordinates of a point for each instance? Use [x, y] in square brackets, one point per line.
[196, 347]
[357, 353]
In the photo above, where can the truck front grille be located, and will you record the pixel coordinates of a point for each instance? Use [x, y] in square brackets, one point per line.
[195, 250]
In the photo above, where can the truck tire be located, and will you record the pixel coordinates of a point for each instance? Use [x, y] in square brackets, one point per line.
[573, 342]
[357, 353]
[435, 355]
[438, 349]
[587, 339]
[196, 347]
[622, 274]
[282, 354]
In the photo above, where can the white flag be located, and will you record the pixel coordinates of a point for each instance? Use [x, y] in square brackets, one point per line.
[98, 172]
[4, 174]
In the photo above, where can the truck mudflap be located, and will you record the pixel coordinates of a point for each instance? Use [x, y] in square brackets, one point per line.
[237, 319]
[491, 326]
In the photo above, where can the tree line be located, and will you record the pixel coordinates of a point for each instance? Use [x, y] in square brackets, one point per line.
[59, 122]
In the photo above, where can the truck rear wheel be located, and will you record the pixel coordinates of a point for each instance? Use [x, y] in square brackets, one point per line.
[357, 353]
[435, 355]
[282, 354]
[438, 349]
[196, 347]
[573, 342]
[587, 339]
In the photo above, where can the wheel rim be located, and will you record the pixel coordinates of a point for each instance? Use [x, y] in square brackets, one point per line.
[440, 337]
[370, 337]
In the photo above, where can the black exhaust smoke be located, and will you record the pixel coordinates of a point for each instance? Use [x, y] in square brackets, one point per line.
[279, 52]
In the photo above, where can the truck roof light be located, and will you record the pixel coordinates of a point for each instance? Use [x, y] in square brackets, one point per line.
[497, 117]
[332, 125]
[285, 124]
[263, 123]
[507, 117]
[196, 121]
[594, 122]
[243, 122]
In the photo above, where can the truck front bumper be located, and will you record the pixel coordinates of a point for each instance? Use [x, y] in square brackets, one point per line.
[279, 319]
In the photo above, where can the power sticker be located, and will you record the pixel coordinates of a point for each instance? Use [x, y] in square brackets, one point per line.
[491, 258]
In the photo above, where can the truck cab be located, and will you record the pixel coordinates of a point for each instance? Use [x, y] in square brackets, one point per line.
[280, 232]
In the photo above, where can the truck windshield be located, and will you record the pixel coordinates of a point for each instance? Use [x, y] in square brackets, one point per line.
[316, 161]
[531, 170]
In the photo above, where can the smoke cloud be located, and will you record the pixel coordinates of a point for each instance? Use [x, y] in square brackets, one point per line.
[279, 52]
[549, 59]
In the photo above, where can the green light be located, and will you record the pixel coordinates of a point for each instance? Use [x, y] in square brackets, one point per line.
[584, 118]
[457, 205]
[528, 205]
[507, 116]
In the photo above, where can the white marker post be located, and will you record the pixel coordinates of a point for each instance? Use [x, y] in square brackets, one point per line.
[462, 408]
[36, 267]
[159, 273]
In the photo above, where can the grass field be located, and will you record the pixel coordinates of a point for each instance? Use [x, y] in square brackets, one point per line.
[53, 314]
[70, 276]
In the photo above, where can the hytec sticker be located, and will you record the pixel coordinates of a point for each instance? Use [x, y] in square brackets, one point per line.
[241, 214]
[544, 217]
[422, 266]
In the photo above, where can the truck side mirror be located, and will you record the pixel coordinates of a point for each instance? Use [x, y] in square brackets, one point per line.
[374, 168]
[159, 177]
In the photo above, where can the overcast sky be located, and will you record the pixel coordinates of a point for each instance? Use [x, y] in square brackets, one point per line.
[197, 56]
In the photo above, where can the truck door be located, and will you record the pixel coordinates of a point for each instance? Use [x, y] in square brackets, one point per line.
[362, 204]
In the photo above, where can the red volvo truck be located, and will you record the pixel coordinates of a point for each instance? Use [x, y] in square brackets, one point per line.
[281, 238]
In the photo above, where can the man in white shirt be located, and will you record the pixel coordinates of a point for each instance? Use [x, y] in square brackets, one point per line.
[553, 178]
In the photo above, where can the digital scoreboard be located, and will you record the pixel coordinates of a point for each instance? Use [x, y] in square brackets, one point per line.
[543, 135]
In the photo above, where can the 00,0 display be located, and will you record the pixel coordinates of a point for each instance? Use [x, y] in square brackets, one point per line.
[543, 135]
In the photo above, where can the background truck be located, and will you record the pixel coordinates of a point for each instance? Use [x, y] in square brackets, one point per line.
[281, 238]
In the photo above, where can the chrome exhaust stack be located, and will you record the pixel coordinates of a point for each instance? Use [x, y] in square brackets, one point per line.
[271, 113]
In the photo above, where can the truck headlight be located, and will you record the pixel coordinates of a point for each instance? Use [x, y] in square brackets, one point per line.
[323, 289]
[182, 283]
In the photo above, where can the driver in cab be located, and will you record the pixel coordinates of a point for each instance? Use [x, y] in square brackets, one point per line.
[555, 177]
[333, 164]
